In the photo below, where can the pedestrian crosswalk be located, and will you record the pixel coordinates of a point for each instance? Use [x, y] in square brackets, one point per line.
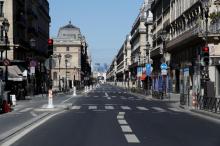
[110, 97]
[124, 108]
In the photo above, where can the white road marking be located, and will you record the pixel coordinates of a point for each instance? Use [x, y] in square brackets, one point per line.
[122, 122]
[106, 95]
[175, 109]
[126, 128]
[142, 108]
[92, 107]
[25, 110]
[123, 98]
[113, 96]
[109, 107]
[76, 107]
[33, 114]
[125, 108]
[121, 113]
[125, 92]
[96, 96]
[16, 137]
[120, 117]
[131, 138]
[66, 100]
[159, 109]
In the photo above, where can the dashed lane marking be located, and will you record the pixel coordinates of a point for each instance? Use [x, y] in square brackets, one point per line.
[142, 108]
[125, 108]
[126, 128]
[122, 122]
[76, 107]
[131, 138]
[109, 107]
[120, 117]
[92, 107]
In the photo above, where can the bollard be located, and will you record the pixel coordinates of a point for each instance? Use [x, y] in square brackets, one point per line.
[13, 99]
[50, 99]
[74, 91]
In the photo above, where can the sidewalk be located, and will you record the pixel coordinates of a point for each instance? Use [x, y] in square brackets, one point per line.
[28, 112]
[174, 101]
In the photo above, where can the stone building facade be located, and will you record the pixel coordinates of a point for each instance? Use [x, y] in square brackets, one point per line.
[27, 39]
[73, 67]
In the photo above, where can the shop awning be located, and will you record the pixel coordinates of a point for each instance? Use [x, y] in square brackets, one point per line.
[14, 73]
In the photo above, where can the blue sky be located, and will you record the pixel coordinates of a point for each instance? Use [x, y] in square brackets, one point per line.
[104, 23]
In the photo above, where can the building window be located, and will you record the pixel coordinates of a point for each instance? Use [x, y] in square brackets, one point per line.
[55, 75]
[1, 34]
[67, 49]
[1, 9]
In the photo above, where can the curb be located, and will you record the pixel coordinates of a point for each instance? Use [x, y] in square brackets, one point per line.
[19, 128]
[206, 113]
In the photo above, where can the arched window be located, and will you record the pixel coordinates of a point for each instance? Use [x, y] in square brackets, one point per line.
[55, 76]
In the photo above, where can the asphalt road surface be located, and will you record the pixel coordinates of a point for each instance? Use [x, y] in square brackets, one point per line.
[109, 116]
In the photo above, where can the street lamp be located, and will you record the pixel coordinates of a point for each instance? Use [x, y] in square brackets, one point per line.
[148, 62]
[163, 36]
[32, 44]
[67, 56]
[59, 58]
[66, 61]
[5, 25]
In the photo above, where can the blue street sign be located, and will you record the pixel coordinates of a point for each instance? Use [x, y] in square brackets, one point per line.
[148, 66]
[148, 69]
[163, 66]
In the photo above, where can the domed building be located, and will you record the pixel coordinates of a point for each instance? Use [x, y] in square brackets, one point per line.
[70, 53]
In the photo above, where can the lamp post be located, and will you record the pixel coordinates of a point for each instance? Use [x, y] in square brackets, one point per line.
[32, 44]
[6, 25]
[67, 56]
[163, 36]
[66, 61]
[59, 58]
[148, 62]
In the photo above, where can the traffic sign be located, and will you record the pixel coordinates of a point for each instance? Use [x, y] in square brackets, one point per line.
[148, 66]
[148, 69]
[163, 66]
[6, 62]
[33, 63]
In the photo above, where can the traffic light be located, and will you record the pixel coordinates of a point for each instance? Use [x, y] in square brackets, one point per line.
[205, 55]
[50, 47]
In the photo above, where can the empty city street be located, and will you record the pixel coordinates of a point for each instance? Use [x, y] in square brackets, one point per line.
[110, 116]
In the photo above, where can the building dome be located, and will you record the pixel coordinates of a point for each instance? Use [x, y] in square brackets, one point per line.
[69, 31]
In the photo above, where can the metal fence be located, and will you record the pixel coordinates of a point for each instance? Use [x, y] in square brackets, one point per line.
[209, 103]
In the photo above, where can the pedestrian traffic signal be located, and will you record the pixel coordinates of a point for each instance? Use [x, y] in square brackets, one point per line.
[50, 46]
[205, 55]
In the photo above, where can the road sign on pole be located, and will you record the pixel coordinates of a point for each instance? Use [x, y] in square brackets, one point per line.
[163, 66]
